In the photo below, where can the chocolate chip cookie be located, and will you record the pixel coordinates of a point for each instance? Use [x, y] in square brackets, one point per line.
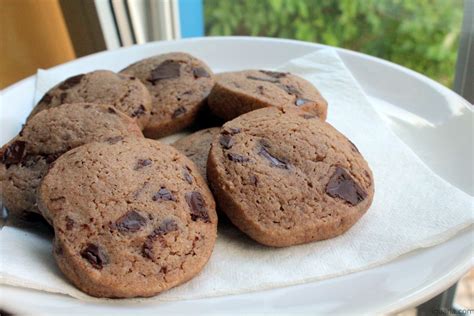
[285, 177]
[179, 85]
[132, 218]
[236, 93]
[45, 137]
[123, 92]
[197, 145]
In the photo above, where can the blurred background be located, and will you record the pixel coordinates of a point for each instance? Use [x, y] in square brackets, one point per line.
[428, 36]
[420, 34]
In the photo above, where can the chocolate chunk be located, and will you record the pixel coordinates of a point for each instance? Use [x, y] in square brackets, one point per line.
[114, 140]
[290, 89]
[343, 186]
[354, 147]
[163, 194]
[231, 131]
[95, 255]
[14, 153]
[166, 226]
[274, 162]
[237, 157]
[139, 111]
[111, 110]
[301, 101]
[168, 69]
[274, 74]
[69, 223]
[226, 141]
[46, 99]
[263, 79]
[197, 206]
[62, 97]
[200, 73]
[178, 112]
[131, 222]
[71, 82]
[187, 176]
[142, 163]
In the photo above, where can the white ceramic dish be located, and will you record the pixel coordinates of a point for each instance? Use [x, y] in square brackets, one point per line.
[435, 122]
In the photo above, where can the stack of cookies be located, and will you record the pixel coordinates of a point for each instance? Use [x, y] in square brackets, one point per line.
[133, 216]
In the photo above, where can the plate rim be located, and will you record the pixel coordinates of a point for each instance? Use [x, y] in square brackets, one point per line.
[256, 38]
[414, 299]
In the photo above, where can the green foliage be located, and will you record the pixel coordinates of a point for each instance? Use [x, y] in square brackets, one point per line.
[420, 34]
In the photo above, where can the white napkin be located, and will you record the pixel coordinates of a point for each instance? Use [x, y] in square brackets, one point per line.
[412, 208]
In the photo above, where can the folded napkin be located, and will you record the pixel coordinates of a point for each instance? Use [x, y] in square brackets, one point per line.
[412, 208]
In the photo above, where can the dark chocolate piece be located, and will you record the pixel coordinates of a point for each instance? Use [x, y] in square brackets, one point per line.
[342, 185]
[14, 153]
[197, 206]
[130, 222]
[168, 69]
[95, 256]
[71, 82]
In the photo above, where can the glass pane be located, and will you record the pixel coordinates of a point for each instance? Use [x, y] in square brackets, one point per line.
[420, 34]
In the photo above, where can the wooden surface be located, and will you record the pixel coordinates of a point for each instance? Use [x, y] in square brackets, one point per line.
[32, 35]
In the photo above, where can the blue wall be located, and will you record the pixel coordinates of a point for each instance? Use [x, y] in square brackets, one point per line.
[191, 17]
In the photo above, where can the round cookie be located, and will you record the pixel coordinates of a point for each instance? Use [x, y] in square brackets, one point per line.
[179, 85]
[236, 93]
[196, 147]
[45, 137]
[131, 219]
[125, 93]
[284, 177]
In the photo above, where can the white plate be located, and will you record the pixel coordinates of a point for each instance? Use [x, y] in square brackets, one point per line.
[435, 122]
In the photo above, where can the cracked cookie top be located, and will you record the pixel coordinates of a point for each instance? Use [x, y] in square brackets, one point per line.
[131, 218]
[285, 177]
